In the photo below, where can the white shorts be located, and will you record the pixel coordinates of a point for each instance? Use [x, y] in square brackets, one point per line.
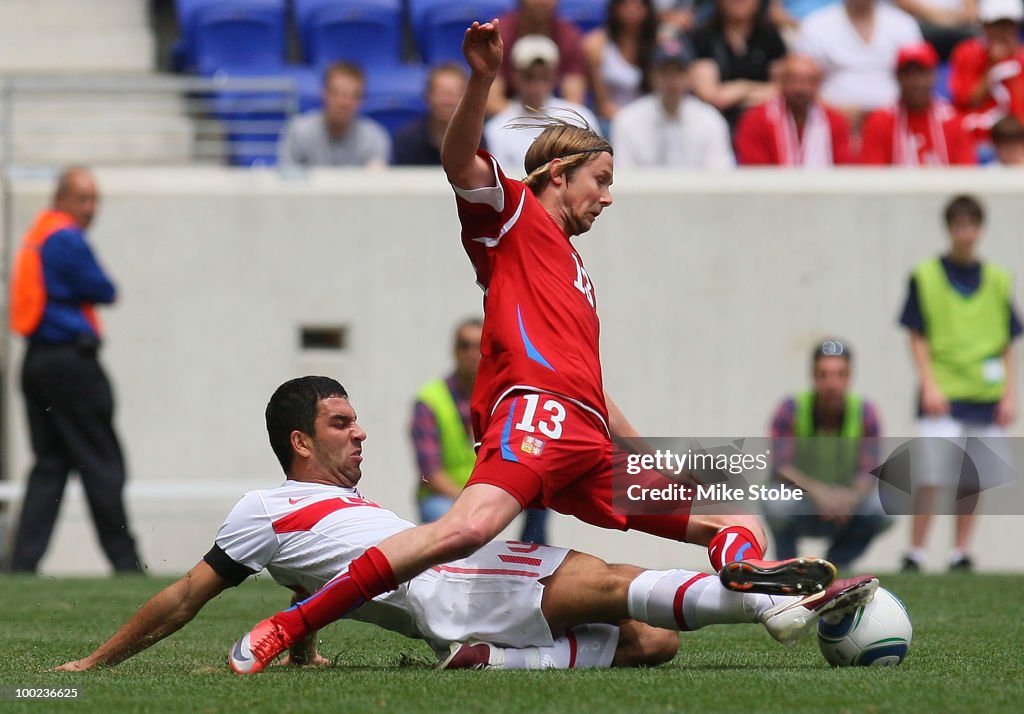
[493, 595]
[941, 461]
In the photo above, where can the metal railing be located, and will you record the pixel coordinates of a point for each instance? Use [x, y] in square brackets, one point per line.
[146, 121]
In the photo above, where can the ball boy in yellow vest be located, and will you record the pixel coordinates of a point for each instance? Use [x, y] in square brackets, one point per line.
[959, 311]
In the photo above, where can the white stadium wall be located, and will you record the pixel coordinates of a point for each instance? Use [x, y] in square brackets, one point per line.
[711, 289]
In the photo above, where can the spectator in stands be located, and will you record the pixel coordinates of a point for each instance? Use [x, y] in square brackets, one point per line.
[1008, 141]
[419, 143]
[921, 129]
[986, 79]
[337, 135]
[944, 23]
[856, 44]
[442, 435]
[736, 51]
[538, 17]
[508, 134]
[671, 127]
[825, 442]
[56, 282]
[962, 323]
[795, 128]
[619, 55]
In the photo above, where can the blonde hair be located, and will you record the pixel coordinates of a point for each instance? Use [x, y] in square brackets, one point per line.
[573, 143]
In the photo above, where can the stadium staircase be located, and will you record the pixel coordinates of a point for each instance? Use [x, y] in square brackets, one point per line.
[66, 67]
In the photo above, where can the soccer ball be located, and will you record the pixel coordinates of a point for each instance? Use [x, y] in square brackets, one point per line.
[877, 634]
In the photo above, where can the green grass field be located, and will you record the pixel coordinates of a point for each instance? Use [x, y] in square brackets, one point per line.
[967, 657]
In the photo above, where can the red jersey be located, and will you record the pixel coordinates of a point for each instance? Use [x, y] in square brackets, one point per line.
[541, 330]
[767, 136]
[969, 64]
[933, 137]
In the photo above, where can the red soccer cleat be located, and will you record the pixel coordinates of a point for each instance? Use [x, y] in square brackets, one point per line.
[796, 576]
[258, 647]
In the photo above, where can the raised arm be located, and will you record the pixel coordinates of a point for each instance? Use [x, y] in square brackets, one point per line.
[482, 48]
[164, 614]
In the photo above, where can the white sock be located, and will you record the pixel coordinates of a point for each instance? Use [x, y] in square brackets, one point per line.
[686, 600]
[582, 647]
[918, 555]
[957, 554]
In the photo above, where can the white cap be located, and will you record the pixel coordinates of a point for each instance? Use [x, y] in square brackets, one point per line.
[537, 48]
[995, 10]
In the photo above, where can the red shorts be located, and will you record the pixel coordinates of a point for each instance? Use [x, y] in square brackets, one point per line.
[546, 451]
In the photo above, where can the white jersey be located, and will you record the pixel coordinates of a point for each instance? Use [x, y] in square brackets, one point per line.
[306, 534]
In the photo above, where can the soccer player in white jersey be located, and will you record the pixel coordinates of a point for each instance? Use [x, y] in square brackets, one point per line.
[510, 605]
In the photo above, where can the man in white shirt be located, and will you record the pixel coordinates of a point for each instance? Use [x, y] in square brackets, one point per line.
[508, 133]
[856, 43]
[670, 127]
[336, 135]
[543, 605]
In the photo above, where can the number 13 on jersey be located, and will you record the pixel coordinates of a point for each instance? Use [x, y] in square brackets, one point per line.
[549, 422]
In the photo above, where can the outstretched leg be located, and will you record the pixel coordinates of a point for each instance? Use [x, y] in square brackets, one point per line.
[480, 512]
[649, 607]
[586, 589]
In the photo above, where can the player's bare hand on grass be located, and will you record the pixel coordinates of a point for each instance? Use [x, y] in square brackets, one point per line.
[482, 47]
[78, 665]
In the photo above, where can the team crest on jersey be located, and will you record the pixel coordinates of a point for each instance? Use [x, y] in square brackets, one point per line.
[532, 445]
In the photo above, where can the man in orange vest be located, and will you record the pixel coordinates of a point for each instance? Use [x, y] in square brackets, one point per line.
[55, 283]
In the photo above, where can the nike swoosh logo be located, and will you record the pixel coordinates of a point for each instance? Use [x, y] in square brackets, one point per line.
[240, 656]
[293, 501]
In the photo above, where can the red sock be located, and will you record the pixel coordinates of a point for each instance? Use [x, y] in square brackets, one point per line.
[367, 576]
[733, 543]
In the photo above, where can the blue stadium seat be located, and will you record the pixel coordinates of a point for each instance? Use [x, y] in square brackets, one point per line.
[183, 53]
[367, 32]
[394, 111]
[238, 35]
[395, 95]
[252, 126]
[405, 79]
[418, 10]
[442, 26]
[586, 14]
[253, 120]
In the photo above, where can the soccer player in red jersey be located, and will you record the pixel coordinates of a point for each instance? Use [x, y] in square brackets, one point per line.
[544, 422]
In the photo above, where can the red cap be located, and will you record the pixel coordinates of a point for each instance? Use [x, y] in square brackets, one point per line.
[921, 53]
